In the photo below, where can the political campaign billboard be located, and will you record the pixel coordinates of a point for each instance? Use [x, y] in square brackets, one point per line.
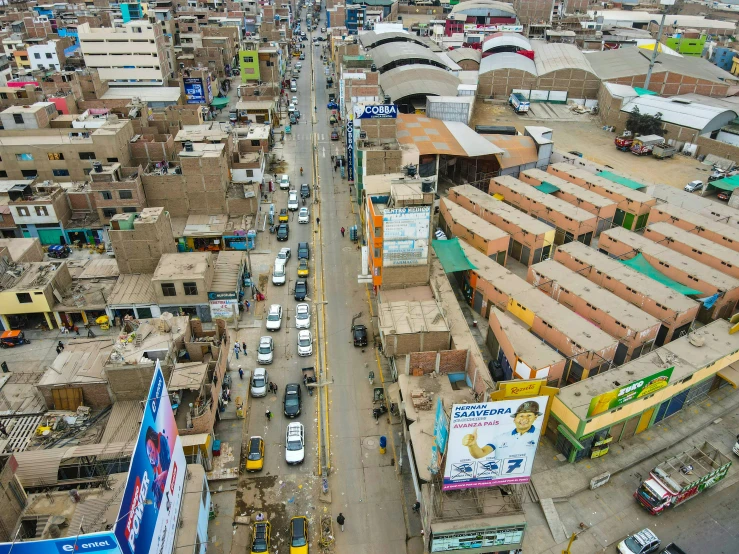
[493, 443]
[147, 520]
[95, 543]
[194, 91]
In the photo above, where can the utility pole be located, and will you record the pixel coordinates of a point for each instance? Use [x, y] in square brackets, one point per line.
[664, 4]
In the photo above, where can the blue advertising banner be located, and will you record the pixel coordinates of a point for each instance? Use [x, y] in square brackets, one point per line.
[147, 521]
[350, 151]
[441, 434]
[194, 90]
[98, 543]
[376, 111]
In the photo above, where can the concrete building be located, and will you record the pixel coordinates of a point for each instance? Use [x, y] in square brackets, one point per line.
[23, 250]
[412, 326]
[35, 116]
[41, 211]
[716, 231]
[620, 243]
[571, 223]
[635, 329]
[455, 221]
[694, 246]
[633, 206]
[133, 54]
[531, 240]
[140, 240]
[600, 206]
[48, 56]
[676, 311]
[133, 295]
[182, 281]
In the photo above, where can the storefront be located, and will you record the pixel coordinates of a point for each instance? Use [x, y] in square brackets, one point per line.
[494, 534]
[588, 417]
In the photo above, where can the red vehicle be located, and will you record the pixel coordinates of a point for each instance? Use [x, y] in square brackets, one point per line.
[624, 142]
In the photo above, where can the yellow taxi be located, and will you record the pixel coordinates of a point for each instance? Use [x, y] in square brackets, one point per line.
[255, 455]
[299, 535]
[283, 216]
[303, 268]
[260, 537]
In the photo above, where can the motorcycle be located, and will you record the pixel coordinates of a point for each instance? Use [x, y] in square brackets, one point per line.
[377, 412]
[371, 377]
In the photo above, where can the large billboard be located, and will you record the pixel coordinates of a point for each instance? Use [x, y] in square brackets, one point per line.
[350, 151]
[628, 393]
[493, 443]
[405, 252]
[406, 223]
[147, 521]
[96, 543]
[194, 90]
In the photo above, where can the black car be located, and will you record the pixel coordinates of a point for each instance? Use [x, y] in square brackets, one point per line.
[292, 402]
[283, 232]
[303, 251]
[360, 335]
[304, 190]
[301, 290]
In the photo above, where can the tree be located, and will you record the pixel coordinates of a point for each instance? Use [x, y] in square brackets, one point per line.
[644, 124]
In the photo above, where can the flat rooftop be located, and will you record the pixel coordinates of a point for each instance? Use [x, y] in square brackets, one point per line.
[624, 274]
[705, 206]
[182, 265]
[689, 353]
[201, 133]
[33, 108]
[604, 300]
[473, 223]
[699, 220]
[156, 335]
[601, 182]
[17, 247]
[26, 276]
[214, 225]
[203, 150]
[534, 352]
[696, 242]
[565, 186]
[547, 200]
[508, 213]
[409, 317]
[491, 271]
[675, 259]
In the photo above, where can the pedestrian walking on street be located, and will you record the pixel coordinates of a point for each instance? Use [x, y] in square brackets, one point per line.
[236, 350]
[243, 347]
[318, 220]
[416, 507]
[247, 306]
[61, 346]
[58, 350]
[268, 414]
[342, 232]
[340, 519]
[241, 373]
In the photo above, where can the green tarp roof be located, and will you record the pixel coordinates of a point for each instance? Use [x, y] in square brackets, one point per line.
[219, 102]
[644, 92]
[640, 264]
[727, 183]
[622, 180]
[451, 255]
[546, 188]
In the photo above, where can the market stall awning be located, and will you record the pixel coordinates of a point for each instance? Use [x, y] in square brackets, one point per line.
[640, 264]
[451, 255]
[622, 180]
[219, 102]
[727, 183]
[546, 188]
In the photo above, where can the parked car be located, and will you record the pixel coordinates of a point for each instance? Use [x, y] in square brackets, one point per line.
[299, 535]
[255, 454]
[723, 195]
[303, 268]
[274, 317]
[305, 343]
[284, 253]
[292, 201]
[283, 232]
[304, 190]
[259, 382]
[359, 333]
[693, 186]
[298, 66]
[260, 537]
[334, 134]
[295, 443]
[278, 272]
[265, 351]
[291, 402]
[302, 316]
[643, 542]
[284, 182]
[304, 215]
[303, 251]
[301, 290]
[302, 56]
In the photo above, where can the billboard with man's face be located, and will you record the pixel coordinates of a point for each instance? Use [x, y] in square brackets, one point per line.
[147, 520]
[493, 443]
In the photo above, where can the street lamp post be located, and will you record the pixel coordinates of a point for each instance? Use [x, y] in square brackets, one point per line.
[664, 4]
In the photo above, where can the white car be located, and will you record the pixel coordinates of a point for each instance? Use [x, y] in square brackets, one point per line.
[299, 66]
[305, 343]
[265, 352]
[304, 215]
[284, 182]
[278, 272]
[295, 443]
[292, 201]
[302, 316]
[274, 317]
[259, 382]
[294, 100]
[284, 253]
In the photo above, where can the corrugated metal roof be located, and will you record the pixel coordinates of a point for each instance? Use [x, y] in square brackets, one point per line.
[462, 54]
[369, 39]
[470, 141]
[187, 376]
[506, 39]
[550, 57]
[227, 270]
[405, 51]
[101, 267]
[39, 467]
[693, 116]
[507, 60]
[434, 136]
[133, 290]
[418, 79]
[124, 422]
[515, 150]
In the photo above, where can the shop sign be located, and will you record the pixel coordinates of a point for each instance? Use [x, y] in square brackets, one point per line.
[518, 388]
[406, 223]
[222, 296]
[381, 111]
[194, 91]
[628, 393]
[482, 538]
[97, 543]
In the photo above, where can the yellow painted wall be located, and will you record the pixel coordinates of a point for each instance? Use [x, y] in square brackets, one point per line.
[639, 406]
[563, 413]
[549, 237]
[527, 316]
[9, 303]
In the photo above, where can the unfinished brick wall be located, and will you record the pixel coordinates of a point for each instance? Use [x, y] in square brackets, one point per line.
[422, 363]
[404, 276]
[446, 361]
[94, 395]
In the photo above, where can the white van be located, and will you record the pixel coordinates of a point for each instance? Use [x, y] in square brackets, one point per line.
[278, 272]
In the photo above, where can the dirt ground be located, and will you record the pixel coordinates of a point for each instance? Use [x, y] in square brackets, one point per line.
[587, 136]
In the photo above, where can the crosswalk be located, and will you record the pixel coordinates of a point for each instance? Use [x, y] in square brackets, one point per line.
[298, 137]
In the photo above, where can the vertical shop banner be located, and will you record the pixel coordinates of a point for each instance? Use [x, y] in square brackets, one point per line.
[628, 393]
[441, 435]
[148, 517]
[96, 543]
[350, 151]
[493, 443]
